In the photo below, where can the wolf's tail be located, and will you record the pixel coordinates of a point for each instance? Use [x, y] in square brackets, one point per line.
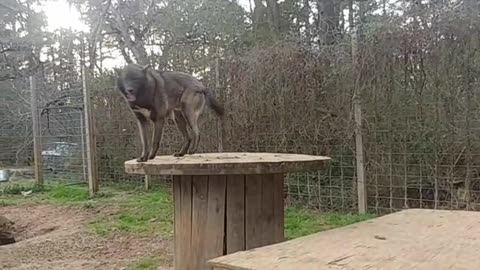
[213, 103]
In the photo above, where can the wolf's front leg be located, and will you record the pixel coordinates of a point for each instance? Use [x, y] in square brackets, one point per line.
[142, 128]
[157, 137]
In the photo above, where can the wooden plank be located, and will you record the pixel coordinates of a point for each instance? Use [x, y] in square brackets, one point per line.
[147, 180]
[199, 222]
[220, 120]
[90, 137]
[177, 220]
[182, 190]
[279, 208]
[253, 211]
[411, 239]
[37, 143]
[226, 164]
[267, 207]
[235, 214]
[361, 183]
[215, 235]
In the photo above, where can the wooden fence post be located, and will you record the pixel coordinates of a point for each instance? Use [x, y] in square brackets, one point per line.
[220, 122]
[361, 183]
[147, 181]
[357, 110]
[37, 142]
[90, 137]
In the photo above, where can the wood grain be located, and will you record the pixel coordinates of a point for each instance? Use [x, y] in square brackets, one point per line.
[226, 164]
[215, 234]
[411, 239]
[218, 215]
[182, 192]
[235, 214]
[147, 180]
[253, 211]
[199, 221]
[90, 138]
[268, 212]
[37, 133]
[278, 208]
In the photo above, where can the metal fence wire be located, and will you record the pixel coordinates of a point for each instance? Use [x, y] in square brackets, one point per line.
[419, 121]
[62, 127]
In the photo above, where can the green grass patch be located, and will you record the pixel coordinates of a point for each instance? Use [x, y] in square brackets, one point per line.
[63, 193]
[4, 202]
[301, 222]
[150, 263]
[151, 213]
[13, 194]
[18, 188]
[144, 213]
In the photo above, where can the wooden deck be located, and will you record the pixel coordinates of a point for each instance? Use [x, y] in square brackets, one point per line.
[410, 239]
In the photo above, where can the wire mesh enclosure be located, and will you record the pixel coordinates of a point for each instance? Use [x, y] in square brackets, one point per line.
[417, 86]
[62, 126]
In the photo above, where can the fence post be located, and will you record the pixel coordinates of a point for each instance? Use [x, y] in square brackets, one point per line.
[357, 110]
[361, 184]
[147, 181]
[82, 141]
[37, 143]
[220, 122]
[90, 137]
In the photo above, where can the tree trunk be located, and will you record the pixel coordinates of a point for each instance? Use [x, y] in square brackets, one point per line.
[92, 46]
[351, 23]
[258, 16]
[306, 23]
[273, 16]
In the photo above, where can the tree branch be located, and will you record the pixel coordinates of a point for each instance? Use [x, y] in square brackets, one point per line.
[95, 35]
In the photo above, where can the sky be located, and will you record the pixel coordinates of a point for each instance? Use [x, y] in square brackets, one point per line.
[61, 15]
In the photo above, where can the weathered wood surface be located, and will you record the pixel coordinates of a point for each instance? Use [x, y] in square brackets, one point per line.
[218, 215]
[182, 194]
[410, 239]
[37, 133]
[225, 202]
[226, 163]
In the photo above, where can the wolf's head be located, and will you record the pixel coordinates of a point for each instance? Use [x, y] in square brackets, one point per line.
[132, 81]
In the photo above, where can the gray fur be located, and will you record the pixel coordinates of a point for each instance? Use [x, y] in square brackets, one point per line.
[153, 96]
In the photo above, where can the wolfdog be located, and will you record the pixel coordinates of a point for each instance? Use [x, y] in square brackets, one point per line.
[155, 95]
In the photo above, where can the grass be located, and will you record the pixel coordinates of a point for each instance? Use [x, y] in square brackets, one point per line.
[11, 193]
[151, 213]
[68, 194]
[301, 222]
[146, 264]
[144, 213]
[135, 212]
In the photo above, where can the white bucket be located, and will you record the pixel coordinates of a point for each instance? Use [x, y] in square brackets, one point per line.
[4, 175]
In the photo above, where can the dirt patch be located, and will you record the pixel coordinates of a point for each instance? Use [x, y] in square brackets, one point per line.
[55, 237]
